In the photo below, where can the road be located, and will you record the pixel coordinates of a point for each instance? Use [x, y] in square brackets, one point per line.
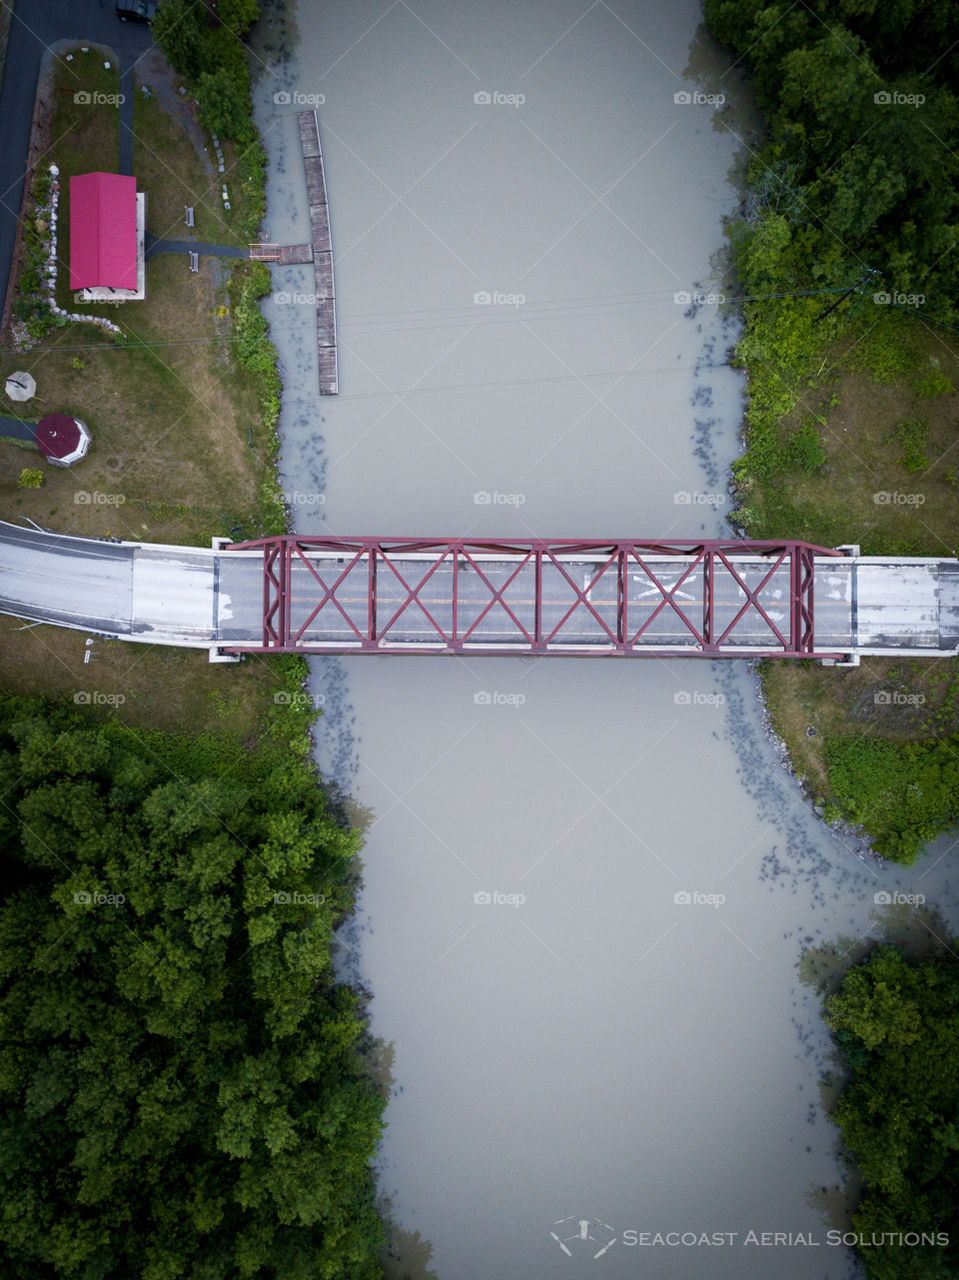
[337, 601]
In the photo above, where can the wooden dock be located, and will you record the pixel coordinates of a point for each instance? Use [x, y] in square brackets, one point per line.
[283, 255]
[321, 252]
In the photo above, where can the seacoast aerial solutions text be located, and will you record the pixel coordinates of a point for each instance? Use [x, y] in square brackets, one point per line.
[784, 1239]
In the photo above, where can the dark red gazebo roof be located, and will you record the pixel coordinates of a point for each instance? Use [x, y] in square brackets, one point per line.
[103, 231]
[57, 435]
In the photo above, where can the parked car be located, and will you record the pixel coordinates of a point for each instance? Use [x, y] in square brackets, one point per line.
[140, 10]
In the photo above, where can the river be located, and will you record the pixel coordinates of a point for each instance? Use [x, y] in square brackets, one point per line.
[588, 884]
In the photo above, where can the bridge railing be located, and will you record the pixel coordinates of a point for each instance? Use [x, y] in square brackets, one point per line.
[718, 597]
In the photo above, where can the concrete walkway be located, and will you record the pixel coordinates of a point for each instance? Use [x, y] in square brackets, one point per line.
[17, 429]
[155, 245]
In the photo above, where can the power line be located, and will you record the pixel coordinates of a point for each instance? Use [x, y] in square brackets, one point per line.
[559, 307]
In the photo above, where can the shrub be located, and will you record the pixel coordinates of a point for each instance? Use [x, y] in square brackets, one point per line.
[911, 435]
[30, 478]
[806, 449]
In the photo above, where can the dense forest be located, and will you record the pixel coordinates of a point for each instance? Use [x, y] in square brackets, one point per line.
[897, 1026]
[181, 1094]
[860, 168]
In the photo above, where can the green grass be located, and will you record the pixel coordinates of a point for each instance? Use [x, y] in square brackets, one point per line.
[170, 427]
[176, 175]
[852, 431]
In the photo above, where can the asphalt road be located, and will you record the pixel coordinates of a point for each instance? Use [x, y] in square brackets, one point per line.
[36, 25]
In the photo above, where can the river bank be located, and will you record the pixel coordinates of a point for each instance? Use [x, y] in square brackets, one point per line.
[849, 427]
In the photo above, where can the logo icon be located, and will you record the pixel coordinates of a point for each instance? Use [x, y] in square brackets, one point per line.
[579, 1236]
[483, 898]
[282, 98]
[82, 98]
[482, 99]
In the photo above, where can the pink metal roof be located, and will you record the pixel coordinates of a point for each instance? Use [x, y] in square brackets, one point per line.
[103, 231]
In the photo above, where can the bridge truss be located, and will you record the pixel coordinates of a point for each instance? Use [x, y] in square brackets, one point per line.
[656, 598]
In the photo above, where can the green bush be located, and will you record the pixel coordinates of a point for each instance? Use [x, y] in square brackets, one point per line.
[896, 1026]
[932, 384]
[806, 449]
[30, 478]
[903, 793]
[911, 435]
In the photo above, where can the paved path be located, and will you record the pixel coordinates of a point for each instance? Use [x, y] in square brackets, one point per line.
[155, 245]
[36, 25]
[16, 429]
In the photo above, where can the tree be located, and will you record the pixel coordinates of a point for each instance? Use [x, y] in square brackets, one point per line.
[180, 1088]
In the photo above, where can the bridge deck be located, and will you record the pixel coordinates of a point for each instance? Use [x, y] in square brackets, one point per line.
[405, 596]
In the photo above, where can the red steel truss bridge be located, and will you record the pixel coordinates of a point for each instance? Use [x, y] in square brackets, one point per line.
[621, 598]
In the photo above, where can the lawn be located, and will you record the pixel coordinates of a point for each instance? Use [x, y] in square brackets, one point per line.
[868, 452]
[179, 451]
[176, 175]
[906, 700]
